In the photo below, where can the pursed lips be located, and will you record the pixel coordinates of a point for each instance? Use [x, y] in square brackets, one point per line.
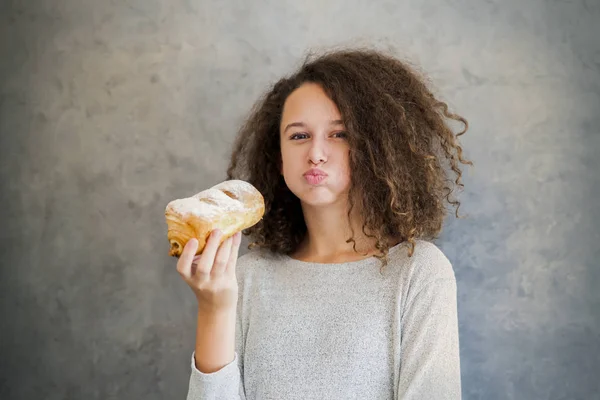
[315, 172]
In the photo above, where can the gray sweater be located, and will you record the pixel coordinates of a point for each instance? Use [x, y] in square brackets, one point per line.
[341, 331]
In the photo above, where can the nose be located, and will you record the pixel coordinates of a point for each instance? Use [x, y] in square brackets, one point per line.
[317, 153]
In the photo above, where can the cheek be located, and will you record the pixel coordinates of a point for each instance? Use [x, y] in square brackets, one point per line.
[345, 163]
[290, 157]
[287, 163]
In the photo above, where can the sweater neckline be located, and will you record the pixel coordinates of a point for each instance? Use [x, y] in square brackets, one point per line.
[367, 260]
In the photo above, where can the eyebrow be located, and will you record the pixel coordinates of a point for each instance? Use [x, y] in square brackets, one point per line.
[303, 125]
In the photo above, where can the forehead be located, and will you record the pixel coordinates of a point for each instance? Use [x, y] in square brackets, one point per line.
[309, 103]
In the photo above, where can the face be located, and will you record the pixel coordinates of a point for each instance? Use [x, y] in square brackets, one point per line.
[313, 136]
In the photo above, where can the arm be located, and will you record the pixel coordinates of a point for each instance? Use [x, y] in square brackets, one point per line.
[216, 367]
[430, 363]
[215, 341]
[218, 374]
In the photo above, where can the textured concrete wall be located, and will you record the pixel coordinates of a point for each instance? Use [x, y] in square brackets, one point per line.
[108, 110]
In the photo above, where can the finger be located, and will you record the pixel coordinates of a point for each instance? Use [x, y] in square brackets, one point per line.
[184, 264]
[233, 256]
[222, 257]
[195, 263]
[207, 258]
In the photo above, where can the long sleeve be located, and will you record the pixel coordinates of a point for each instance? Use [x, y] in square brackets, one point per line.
[308, 331]
[224, 384]
[430, 363]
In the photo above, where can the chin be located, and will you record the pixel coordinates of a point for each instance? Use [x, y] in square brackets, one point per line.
[318, 201]
[317, 196]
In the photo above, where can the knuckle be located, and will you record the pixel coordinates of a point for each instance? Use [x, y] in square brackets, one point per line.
[220, 260]
[220, 257]
[203, 268]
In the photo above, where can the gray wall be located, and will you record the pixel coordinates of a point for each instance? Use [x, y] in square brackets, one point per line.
[108, 110]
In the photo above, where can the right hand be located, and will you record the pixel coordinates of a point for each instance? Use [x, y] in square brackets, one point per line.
[211, 275]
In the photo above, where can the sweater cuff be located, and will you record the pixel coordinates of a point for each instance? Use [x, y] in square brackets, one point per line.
[229, 372]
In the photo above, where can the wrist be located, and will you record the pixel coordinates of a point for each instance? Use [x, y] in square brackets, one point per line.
[209, 313]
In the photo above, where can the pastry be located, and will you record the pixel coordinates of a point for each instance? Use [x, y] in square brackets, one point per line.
[230, 206]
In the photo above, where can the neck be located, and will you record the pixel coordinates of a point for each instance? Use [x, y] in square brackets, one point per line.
[328, 229]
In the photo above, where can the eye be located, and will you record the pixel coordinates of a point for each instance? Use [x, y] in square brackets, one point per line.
[296, 136]
[341, 134]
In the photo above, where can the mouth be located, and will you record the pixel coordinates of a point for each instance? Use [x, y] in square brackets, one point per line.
[314, 179]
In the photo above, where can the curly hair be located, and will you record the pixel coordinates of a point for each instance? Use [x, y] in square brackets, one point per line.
[401, 150]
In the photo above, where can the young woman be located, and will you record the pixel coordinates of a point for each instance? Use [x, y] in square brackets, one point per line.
[342, 295]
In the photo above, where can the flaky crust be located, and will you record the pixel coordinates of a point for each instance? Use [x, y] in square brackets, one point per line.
[230, 206]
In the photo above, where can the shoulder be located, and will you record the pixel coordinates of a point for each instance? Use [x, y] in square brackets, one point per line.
[257, 257]
[430, 261]
[254, 261]
[427, 265]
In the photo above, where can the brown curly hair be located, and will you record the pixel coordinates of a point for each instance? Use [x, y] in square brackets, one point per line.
[400, 150]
